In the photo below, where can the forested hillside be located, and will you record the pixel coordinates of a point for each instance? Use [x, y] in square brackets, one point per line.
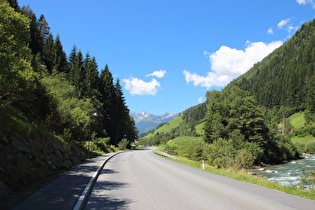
[286, 77]
[40, 84]
[240, 122]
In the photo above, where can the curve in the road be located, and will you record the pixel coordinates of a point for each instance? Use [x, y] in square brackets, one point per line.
[142, 180]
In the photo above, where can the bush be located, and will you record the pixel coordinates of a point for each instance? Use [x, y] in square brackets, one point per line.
[103, 143]
[192, 151]
[244, 159]
[300, 146]
[310, 147]
[123, 144]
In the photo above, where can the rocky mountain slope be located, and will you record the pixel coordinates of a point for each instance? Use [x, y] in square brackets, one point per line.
[146, 121]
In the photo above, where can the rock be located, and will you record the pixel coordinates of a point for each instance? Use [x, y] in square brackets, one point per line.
[67, 164]
[3, 139]
[2, 171]
[58, 154]
[251, 173]
[38, 163]
[293, 162]
[261, 169]
[19, 145]
[4, 189]
[269, 171]
[35, 145]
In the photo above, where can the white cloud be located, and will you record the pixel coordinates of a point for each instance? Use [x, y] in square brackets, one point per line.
[158, 74]
[301, 1]
[270, 31]
[304, 2]
[139, 87]
[200, 99]
[283, 22]
[228, 63]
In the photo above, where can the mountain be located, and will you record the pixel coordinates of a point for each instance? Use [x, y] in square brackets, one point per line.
[286, 77]
[146, 121]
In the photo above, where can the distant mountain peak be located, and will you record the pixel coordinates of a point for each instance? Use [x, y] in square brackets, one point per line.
[146, 121]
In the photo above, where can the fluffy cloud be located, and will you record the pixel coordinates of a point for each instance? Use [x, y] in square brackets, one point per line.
[283, 22]
[139, 87]
[270, 31]
[228, 63]
[304, 2]
[158, 74]
[200, 99]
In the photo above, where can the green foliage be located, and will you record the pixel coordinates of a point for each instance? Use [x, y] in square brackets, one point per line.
[307, 179]
[286, 77]
[300, 146]
[15, 67]
[124, 144]
[45, 88]
[310, 147]
[233, 115]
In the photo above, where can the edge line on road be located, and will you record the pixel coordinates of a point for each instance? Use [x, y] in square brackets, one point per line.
[87, 190]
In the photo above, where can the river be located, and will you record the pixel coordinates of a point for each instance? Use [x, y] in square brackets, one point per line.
[288, 174]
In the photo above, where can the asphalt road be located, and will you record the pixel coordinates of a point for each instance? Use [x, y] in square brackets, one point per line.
[142, 180]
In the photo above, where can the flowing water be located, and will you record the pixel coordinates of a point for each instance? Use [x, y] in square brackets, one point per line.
[288, 174]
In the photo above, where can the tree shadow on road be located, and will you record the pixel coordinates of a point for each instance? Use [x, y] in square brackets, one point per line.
[100, 199]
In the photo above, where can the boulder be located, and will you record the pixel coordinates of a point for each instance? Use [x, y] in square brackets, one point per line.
[19, 145]
[269, 171]
[251, 173]
[4, 189]
[3, 139]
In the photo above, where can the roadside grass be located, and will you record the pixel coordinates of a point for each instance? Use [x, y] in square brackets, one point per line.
[243, 176]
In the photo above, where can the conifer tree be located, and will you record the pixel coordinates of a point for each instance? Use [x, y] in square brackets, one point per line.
[48, 53]
[60, 58]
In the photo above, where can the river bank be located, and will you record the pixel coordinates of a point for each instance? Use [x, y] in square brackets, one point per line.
[287, 174]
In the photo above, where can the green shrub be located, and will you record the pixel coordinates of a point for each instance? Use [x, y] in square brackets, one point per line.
[300, 146]
[123, 144]
[310, 147]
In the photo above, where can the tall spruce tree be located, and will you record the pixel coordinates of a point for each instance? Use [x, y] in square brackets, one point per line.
[60, 58]
[106, 88]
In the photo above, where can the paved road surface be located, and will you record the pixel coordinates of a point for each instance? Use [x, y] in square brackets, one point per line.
[142, 180]
[64, 192]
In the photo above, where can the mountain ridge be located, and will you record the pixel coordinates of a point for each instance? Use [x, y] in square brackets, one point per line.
[146, 121]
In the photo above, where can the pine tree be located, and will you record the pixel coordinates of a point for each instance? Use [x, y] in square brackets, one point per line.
[106, 89]
[48, 53]
[60, 58]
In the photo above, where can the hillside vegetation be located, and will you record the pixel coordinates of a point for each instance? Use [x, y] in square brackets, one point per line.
[241, 125]
[51, 104]
[285, 79]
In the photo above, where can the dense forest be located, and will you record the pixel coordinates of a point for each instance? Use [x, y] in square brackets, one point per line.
[285, 79]
[42, 86]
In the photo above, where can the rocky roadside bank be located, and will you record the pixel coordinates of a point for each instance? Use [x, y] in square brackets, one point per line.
[27, 161]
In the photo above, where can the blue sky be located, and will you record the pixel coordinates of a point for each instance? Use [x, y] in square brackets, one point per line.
[169, 53]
